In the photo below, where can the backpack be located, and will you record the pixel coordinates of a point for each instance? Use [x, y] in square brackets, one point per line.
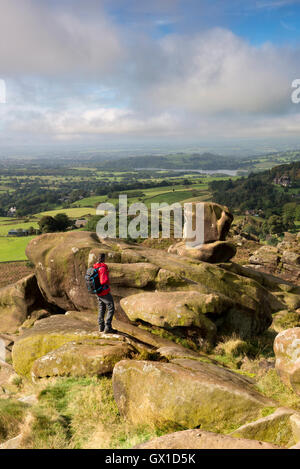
[93, 282]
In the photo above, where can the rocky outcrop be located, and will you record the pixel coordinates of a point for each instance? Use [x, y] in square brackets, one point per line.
[211, 225]
[199, 439]
[18, 301]
[177, 309]
[282, 260]
[61, 260]
[89, 357]
[186, 393]
[287, 352]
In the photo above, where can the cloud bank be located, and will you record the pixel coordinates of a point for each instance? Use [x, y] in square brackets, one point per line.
[75, 72]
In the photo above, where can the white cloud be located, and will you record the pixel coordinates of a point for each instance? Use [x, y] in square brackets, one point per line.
[38, 39]
[75, 73]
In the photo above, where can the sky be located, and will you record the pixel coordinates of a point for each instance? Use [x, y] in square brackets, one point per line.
[94, 71]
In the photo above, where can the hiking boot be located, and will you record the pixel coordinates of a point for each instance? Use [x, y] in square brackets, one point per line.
[101, 327]
[109, 330]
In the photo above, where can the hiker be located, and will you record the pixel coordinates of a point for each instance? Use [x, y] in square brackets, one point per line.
[104, 297]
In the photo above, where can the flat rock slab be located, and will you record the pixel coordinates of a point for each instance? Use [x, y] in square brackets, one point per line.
[185, 392]
[84, 358]
[199, 439]
[275, 428]
[177, 308]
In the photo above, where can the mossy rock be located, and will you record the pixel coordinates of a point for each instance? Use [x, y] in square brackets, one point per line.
[275, 428]
[82, 358]
[49, 334]
[185, 394]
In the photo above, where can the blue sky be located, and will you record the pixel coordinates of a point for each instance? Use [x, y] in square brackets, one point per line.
[103, 70]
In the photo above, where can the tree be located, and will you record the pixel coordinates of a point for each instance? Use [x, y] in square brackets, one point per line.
[62, 222]
[47, 224]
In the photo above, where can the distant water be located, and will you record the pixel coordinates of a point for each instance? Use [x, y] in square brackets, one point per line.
[229, 172]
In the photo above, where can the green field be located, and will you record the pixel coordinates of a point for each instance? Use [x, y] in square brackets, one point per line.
[71, 212]
[13, 249]
[5, 228]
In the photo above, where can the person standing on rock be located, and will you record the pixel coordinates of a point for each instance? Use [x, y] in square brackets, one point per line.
[105, 298]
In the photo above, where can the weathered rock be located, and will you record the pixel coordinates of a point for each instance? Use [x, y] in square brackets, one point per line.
[275, 428]
[289, 257]
[219, 251]
[208, 243]
[266, 255]
[17, 301]
[253, 303]
[13, 443]
[132, 275]
[295, 424]
[47, 335]
[85, 358]
[216, 223]
[199, 439]
[176, 308]
[185, 393]
[60, 261]
[287, 352]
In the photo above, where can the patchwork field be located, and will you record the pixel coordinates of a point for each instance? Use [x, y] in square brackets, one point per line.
[13, 249]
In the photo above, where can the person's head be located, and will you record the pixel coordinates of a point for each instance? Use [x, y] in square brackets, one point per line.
[101, 257]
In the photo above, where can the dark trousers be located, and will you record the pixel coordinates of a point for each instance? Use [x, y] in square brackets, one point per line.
[106, 301]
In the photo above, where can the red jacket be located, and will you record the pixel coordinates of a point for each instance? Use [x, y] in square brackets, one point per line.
[103, 276]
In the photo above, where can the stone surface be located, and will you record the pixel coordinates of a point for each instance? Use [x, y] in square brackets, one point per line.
[176, 308]
[275, 428]
[219, 251]
[47, 335]
[13, 443]
[287, 353]
[210, 227]
[60, 261]
[265, 255]
[187, 393]
[17, 301]
[199, 439]
[295, 424]
[85, 358]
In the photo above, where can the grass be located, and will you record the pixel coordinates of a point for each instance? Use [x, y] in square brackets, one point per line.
[5, 228]
[13, 249]
[71, 212]
[271, 386]
[75, 413]
[11, 416]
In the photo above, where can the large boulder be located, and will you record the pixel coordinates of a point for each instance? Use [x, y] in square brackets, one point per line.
[177, 309]
[200, 439]
[287, 352]
[18, 301]
[185, 393]
[253, 304]
[47, 335]
[219, 251]
[212, 229]
[89, 357]
[61, 260]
